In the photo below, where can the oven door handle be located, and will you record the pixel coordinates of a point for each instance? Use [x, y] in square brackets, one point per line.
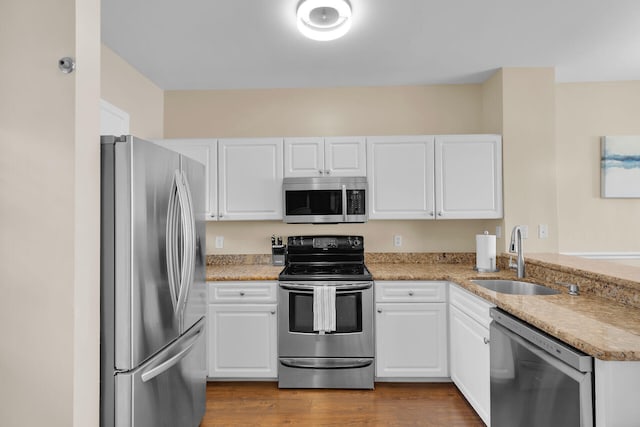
[326, 363]
[339, 288]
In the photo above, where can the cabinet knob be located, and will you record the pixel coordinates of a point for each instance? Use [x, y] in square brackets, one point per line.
[440, 213]
[273, 312]
[410, 293]
[321, 172]
[379, 310]
[241, 293]
[430, 213]
[327, 172]
[486, 340]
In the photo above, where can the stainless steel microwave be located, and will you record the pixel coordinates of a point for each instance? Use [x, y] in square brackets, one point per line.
[317, 200]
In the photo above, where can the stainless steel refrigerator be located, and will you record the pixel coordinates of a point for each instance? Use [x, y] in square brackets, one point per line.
[153, 294]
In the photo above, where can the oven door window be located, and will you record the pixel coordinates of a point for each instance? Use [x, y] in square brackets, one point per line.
[348, 312]
[313, 202]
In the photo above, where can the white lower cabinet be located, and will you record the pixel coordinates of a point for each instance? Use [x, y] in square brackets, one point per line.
[242, 330]
[411, 330]
[469, 348]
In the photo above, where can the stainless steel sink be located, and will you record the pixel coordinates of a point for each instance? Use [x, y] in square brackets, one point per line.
[515, 287]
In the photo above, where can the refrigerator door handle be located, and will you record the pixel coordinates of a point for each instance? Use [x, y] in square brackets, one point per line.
[155, 369]
[180, 244]
[189, 245]
[172, 235]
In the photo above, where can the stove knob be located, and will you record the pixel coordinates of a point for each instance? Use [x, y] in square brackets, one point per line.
[356, 242]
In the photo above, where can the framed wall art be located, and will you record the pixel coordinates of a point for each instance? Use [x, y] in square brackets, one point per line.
[620, 167]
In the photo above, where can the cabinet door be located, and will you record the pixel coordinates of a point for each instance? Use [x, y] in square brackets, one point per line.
[250, 179]
[400, 174]
[345, 156]
[242, 341]
[470, 361]
[204, 151]
[468, 176]
[411, 340]
[303, 157]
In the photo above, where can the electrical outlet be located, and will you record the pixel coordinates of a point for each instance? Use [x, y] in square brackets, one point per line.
[219, 242]
[543, 231]
[397, 240]
[525, 231]
[498, 232]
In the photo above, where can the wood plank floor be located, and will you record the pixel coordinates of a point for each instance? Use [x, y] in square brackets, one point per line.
[390, 404]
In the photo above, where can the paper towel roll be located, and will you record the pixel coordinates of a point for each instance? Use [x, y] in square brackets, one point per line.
[485, 252]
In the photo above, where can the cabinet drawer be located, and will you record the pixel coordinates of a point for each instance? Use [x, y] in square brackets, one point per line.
[409, 291]
[470, 304]
[234, 292]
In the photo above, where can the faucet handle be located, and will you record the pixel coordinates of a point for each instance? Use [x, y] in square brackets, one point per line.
[574, 290]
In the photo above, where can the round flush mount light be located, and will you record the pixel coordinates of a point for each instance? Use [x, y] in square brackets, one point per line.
[324, 20]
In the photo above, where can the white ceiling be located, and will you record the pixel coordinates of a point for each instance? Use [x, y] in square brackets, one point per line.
[237, 44]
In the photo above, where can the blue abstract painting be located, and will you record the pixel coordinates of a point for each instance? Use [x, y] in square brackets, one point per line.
[620, 166]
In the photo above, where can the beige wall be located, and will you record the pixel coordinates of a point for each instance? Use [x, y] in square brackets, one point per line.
[585, 112]
[323, 112]
[417, 236]
[124, 86]
[332, 112]
[492, 122]
[528, 152]
[49, 214]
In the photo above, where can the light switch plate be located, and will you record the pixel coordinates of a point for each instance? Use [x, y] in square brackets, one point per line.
[219, 242]
[543, 231]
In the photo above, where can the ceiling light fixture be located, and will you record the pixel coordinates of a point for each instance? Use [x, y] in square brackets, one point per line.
[324, 20]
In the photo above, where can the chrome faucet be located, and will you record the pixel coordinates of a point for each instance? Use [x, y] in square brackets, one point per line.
[516, 247]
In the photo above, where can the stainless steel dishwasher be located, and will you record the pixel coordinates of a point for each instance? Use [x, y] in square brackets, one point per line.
[537, 380]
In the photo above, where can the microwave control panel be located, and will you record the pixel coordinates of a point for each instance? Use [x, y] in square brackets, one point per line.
[356, 202]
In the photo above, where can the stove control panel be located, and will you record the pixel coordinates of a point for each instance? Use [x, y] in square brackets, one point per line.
[326, 243]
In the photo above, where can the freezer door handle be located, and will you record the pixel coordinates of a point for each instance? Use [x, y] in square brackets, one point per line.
[157, 368]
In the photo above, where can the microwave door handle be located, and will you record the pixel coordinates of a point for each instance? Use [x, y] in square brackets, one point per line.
[344, 202]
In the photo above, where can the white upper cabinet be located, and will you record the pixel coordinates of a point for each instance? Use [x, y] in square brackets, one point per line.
[401, 177]
[250, 179]
[468, 176]
[335, 156]
[441, 177]
[204, 151]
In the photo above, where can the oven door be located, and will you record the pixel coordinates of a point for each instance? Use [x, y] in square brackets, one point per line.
[353, 336]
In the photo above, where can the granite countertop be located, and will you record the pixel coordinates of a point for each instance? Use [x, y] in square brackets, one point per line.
[598, 326]
[604, 321]
[242, 272]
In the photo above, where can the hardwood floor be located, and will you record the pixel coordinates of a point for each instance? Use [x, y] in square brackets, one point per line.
[390, 404]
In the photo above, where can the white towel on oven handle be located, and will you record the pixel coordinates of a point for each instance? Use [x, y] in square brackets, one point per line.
[324, 308]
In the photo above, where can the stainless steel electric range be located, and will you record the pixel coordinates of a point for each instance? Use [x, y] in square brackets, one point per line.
[325, 276]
